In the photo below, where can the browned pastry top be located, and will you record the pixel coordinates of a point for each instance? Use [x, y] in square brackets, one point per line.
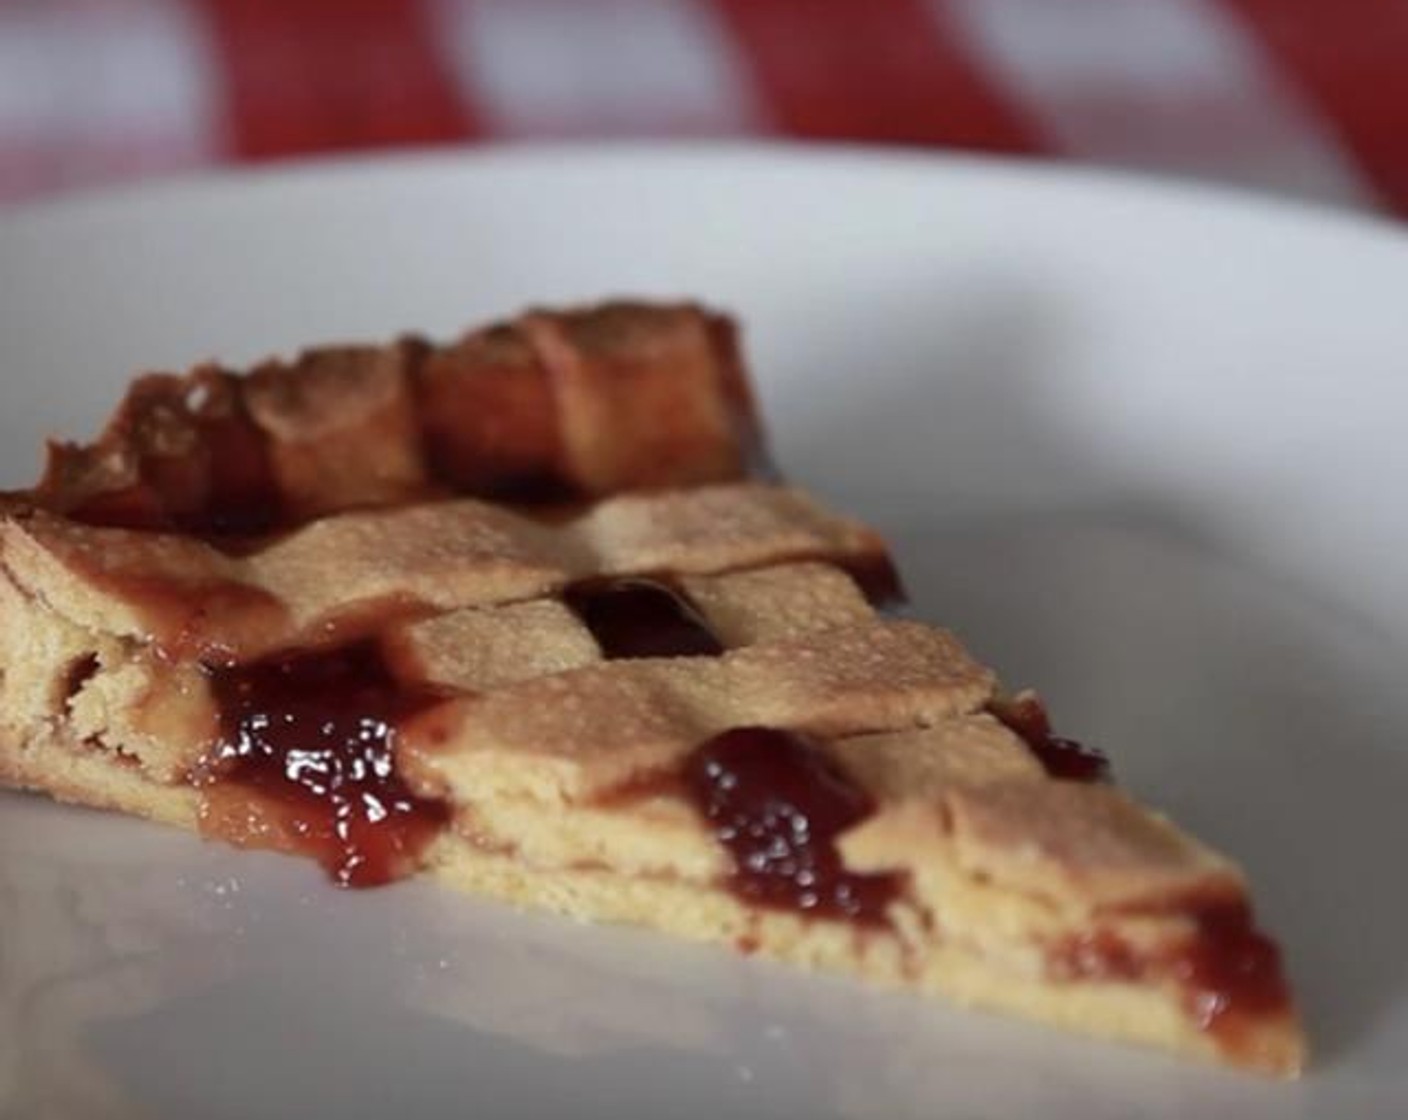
[551, 408]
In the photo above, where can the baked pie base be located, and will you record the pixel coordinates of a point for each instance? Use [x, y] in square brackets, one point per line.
[463, 612]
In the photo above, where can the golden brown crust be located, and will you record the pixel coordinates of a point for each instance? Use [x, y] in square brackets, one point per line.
[489, 413]
[342, 427]
[1081, 841]
[638, 404]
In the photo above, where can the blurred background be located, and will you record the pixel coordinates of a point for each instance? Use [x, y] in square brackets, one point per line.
[1306, 98]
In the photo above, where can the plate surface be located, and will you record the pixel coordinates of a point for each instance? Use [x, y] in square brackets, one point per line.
[1141, 446]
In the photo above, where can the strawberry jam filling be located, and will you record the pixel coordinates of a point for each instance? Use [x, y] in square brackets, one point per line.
[306, 763]
[777, 804]
[1068, 759]
[1230, 973]
[878, 579]
[638, 617]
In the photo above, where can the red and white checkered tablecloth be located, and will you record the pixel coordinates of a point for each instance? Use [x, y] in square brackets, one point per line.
[1302, 97]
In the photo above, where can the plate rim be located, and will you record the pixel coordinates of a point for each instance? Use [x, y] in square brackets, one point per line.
[1022, 172]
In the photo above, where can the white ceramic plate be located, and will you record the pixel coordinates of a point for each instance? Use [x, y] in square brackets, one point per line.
[1142, 446]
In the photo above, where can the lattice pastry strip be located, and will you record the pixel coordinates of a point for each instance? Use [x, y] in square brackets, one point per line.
[476, 649]
[577, 404]
[184, 593]
[575, 735]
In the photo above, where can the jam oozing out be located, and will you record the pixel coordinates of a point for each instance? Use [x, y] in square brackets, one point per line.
[879, 581]
[306, 762]
[1229, 971]
[777, 804]
[642, 618]
[1063, 758]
